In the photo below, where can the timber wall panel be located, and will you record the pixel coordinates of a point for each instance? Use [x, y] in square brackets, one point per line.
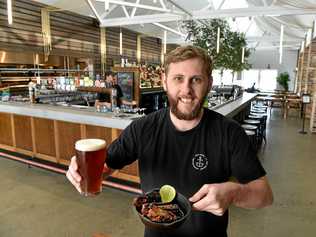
[68, 134]
[151, 50]
[44, 136]
[5, 129]
[72, 35]
[99, 132]
[22, 130]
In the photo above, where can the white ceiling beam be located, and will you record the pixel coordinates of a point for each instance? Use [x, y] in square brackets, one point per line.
[162, 4]
[221, 4]
[250, 24]
[199, 15]
[274, 2]
[134, 9]
[169, 29]
[106, 13]
[144, 19]
[290, 46]
[252, 11]
[125, 11]
[264, 3]
[298, 27]
[130, 4]
[272, 39]
[96, 14]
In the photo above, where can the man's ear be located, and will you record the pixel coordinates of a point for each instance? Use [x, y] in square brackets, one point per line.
[164, 81]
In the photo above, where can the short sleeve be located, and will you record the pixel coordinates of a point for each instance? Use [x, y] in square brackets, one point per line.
[245, 165]
[123, 150]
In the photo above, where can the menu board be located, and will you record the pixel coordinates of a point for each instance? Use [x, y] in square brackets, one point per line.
[125, 81]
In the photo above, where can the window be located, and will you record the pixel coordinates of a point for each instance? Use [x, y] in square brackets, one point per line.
[249, 77]
[267, 80]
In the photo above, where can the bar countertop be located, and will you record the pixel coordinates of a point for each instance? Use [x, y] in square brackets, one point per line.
[90, 116]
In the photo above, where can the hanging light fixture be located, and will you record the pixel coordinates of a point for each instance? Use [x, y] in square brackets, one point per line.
[242, 54]
[164, 41]
[121, 42]
[281, 44]
[302, 46]
[9, 10]
[218, 37]
[106, 5]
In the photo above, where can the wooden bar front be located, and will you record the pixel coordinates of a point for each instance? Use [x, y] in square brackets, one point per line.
[54, 140]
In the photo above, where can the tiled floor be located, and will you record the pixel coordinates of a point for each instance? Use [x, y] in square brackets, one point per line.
[35, 202]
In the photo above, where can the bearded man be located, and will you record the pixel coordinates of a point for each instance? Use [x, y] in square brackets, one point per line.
[194, 149]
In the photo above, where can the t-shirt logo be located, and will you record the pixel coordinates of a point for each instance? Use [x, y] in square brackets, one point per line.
[199, 162]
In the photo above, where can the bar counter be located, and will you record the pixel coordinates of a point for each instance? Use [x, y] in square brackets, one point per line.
[49, 132]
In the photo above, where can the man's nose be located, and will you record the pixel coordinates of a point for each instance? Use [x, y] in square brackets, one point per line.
[186, 87]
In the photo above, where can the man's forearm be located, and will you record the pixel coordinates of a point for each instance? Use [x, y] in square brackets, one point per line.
[255, 194]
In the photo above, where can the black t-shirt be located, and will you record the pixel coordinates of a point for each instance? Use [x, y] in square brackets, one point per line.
[212, 152]
[119, 94]
[103, 97]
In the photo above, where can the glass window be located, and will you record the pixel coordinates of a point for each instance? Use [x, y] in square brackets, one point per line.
[249, 77]
[268, 80]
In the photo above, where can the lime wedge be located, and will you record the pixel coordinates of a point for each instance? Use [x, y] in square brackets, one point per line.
[167, 193]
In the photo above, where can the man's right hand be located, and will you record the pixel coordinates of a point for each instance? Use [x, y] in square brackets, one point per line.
[72, 174]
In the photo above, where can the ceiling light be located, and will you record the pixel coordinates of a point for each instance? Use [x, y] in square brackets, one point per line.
[106, 5]
[121, 42]
[9, 9]
[165, 42]
[281, 44]
[218, 37]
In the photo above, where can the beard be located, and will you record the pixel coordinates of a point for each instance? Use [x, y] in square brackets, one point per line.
[195, 112]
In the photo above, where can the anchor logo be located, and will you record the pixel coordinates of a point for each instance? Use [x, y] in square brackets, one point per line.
[199, 162]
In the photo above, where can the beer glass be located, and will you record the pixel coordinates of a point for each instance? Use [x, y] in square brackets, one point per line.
[91, 155]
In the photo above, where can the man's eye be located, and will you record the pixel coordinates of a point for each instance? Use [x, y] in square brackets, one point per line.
[177, 78]
[196, 79]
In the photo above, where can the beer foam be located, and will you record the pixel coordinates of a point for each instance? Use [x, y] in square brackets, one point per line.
[90, 144]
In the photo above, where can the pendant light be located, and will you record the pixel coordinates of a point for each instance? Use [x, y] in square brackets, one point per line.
[281, 44]
[9, 10]
[218, 37]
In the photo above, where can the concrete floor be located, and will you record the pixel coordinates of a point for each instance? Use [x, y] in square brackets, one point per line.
[35, 202]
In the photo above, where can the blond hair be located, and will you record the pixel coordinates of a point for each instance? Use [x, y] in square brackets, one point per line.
[183, 53]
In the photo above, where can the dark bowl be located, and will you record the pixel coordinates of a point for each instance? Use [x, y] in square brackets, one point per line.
[184, 205]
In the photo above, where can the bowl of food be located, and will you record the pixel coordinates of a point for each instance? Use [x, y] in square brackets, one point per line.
[159, 212]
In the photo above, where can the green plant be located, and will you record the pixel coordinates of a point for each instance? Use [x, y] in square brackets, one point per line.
[204, 35]
[283, 79]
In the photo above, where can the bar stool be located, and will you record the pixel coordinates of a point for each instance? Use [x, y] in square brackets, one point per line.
[258, 110]
[259, 130]
[252, 137]
[263, 124]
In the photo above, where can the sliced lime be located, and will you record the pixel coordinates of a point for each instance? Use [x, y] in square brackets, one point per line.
[167, 193]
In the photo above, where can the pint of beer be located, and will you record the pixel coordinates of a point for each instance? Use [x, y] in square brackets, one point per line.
[91, 154]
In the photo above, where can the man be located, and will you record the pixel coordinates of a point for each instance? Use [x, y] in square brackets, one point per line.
[194, 149]
[103, 99]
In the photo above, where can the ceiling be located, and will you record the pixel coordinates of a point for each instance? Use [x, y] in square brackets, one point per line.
[260, 20]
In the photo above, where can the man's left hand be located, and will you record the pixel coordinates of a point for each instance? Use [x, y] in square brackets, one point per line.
[214, 198]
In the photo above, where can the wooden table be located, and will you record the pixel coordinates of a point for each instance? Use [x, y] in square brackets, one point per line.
[290, 103]
[286, 102]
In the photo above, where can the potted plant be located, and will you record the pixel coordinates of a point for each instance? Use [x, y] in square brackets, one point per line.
[283, 79]
[204, 35]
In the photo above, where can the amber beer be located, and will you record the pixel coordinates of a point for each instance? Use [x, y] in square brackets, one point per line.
[91, 154]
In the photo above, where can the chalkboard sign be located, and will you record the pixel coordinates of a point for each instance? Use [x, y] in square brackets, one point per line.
[125, 81]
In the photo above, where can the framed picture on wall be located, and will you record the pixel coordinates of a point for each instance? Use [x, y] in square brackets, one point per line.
[126, 82]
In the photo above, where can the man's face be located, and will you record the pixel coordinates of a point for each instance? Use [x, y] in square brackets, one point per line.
[109, 79]
[186, 85]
